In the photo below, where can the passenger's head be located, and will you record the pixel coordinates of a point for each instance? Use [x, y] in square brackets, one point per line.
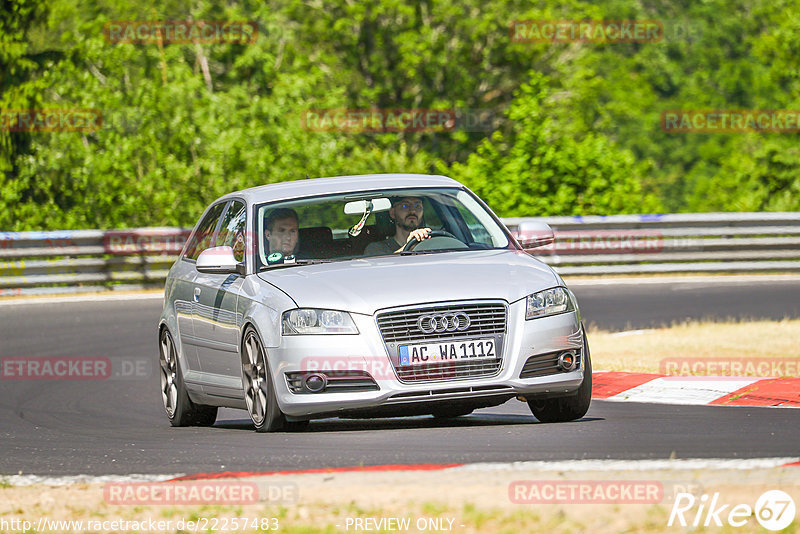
[407, 212]
[281, 231]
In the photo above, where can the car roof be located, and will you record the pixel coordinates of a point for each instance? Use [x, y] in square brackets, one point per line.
[339, 184]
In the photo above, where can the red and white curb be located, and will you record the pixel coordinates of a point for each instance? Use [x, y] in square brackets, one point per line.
[542, 465]
[559, 465]
[69, 480]
[711, 390]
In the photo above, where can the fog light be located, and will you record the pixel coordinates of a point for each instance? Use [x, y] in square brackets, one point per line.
[315, 383]
[566, 361]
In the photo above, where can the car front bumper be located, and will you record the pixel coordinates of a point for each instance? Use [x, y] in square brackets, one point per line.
[366, 351]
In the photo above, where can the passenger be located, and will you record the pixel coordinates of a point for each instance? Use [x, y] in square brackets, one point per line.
[406, 213]
[282, 231]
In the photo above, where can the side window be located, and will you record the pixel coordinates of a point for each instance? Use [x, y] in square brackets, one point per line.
[476, 228]
[231, 233]
[431, 217]
[203, 237]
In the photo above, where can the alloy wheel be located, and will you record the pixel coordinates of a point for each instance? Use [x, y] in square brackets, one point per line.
[169, 370]
[255, 377]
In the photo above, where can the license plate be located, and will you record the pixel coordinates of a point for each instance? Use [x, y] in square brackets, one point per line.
[424, 353]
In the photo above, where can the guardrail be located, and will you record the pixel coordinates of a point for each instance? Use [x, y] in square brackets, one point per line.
[89, 260]
[672, 243]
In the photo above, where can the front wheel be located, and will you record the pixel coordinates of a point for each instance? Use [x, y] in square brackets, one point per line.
[570, 408]
[180, 410]
[296, 426]
[259, 393]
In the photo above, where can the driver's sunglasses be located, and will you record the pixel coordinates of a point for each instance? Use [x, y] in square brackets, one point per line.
[409, 205]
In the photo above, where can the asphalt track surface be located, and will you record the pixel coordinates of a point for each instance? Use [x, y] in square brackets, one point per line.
[117, 426]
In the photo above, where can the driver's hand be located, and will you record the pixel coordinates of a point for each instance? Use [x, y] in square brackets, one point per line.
[419, 234]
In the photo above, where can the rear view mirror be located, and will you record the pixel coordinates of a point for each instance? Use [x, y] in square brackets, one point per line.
[358, 207]
[219, 260]
[534, 234]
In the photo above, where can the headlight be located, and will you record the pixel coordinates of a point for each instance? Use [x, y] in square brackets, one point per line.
[313, 321]
[548, 302]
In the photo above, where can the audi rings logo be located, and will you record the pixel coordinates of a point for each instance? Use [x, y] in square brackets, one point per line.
[443, 322]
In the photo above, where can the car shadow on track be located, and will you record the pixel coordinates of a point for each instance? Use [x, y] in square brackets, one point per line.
[401, 423]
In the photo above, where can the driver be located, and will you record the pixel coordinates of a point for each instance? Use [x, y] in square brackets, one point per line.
[406, 214]
[282, 231]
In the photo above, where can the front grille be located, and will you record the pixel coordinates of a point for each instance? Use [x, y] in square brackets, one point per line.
[401, 326]
[487, 320]
[447, 370]
[449, 393]
[545, 364]
[337, 381]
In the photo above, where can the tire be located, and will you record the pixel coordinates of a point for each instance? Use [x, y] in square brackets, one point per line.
[570, 408]
[452, 412]
[180, 410]
[259, 390]
[296, 426]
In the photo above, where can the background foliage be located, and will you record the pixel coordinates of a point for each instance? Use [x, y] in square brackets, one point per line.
[580, 134]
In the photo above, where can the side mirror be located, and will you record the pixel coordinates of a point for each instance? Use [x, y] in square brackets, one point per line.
[219, 260]
[534, 234]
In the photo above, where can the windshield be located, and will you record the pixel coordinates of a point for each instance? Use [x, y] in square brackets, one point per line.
[376, 223]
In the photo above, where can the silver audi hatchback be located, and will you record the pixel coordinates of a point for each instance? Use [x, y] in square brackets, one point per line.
[366, 296]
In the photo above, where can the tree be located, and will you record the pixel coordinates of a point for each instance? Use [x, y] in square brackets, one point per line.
[540, 170]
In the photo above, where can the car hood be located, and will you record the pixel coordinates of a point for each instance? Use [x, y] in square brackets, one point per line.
[369, 284]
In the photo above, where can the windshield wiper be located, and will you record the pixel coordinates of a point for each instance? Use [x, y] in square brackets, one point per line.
[295, 262]
[434, 251]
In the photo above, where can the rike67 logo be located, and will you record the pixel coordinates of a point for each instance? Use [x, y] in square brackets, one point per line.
[774, 510]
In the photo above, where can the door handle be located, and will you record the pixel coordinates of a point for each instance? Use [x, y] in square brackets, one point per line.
[197, 294]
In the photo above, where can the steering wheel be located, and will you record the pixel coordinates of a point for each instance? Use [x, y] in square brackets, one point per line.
[435, 233]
